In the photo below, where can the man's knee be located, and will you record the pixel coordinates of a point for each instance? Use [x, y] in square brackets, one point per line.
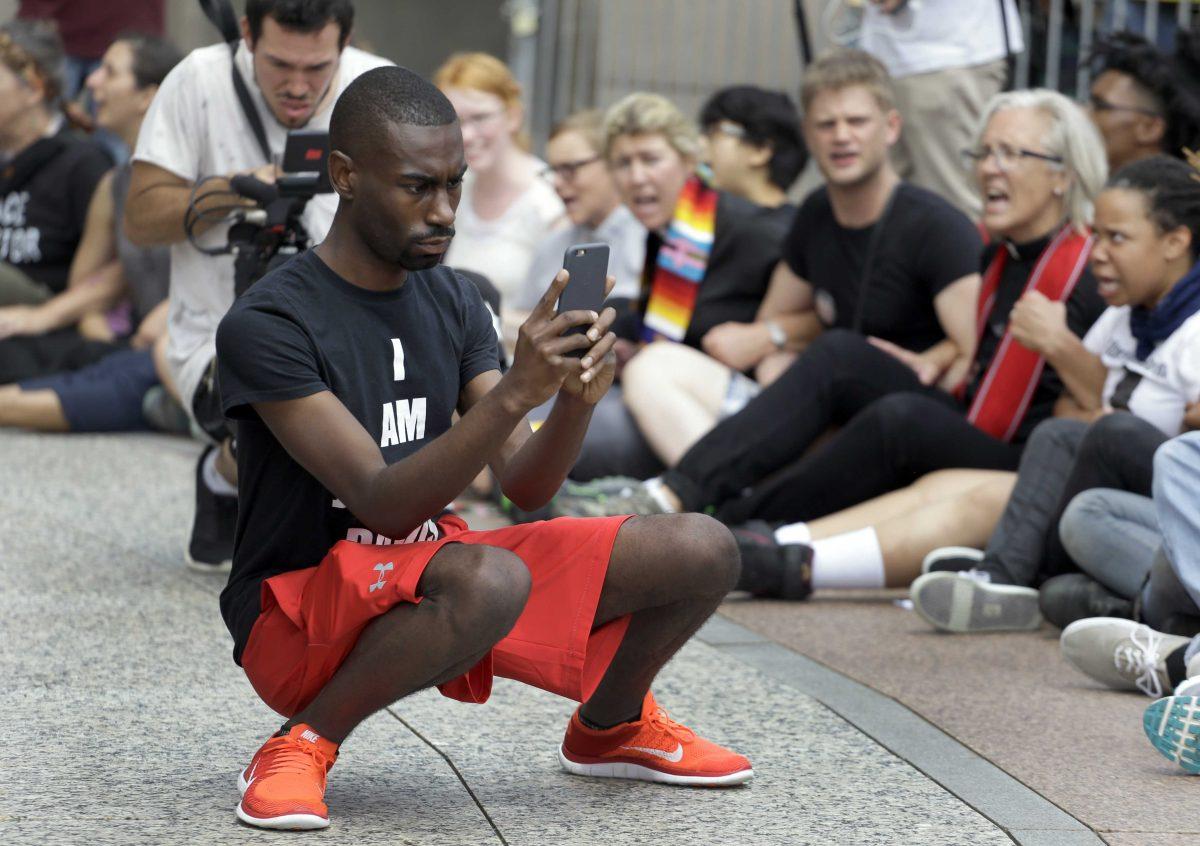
[656, 362]
[485, 582]
[707, 553]
[1056, 432]
[1115, 431]
[1079, 520]
[902, 409]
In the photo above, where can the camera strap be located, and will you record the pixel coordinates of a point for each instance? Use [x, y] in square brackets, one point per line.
[220, 12]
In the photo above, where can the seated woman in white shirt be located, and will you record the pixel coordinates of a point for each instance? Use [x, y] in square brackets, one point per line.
[507, 208]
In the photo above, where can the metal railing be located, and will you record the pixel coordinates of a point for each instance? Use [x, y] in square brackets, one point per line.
[589, 53]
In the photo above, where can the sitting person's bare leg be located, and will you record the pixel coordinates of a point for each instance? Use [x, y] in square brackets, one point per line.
[964, 520]
[927, 490]
[675, 394]
[40, 410]
[470, 598]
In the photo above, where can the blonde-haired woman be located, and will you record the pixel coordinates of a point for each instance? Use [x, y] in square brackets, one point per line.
[709, 257]
[507, 208]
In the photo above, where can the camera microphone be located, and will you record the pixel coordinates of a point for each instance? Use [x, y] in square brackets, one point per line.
[263, 193]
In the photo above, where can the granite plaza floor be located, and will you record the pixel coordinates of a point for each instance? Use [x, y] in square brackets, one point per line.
[126, 722]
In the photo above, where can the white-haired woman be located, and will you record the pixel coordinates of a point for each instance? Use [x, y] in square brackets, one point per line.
[1039, 163]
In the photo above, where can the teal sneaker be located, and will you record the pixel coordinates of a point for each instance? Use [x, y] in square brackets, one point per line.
[1173, 726]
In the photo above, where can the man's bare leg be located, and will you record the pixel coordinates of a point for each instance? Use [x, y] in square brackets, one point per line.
[670, 572]
[471, 596]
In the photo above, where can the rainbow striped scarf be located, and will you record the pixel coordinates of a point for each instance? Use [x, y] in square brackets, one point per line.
[681, 263]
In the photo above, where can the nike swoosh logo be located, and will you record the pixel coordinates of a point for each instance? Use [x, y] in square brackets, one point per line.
[674, 757]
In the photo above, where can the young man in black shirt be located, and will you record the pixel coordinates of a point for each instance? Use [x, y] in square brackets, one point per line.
[352, 586]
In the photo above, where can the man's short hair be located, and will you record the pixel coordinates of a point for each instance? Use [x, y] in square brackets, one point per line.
[769, 120]
[153, 57]
[34, 46]
[380, 97]
[301, 15]
[842, 69]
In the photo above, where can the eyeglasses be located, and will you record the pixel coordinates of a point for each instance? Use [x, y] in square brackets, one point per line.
[726, 127]
[566, 171]
[1006, 157]
[1098, 104]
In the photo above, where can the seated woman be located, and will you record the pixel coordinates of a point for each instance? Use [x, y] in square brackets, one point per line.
[506, 208]
[1144, 362]
[93, 385]
[1039, 164]
[50, 172]
[709, 256]
[576, 168]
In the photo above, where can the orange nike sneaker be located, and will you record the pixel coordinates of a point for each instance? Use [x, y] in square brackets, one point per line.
[653, 748]
[284, 786]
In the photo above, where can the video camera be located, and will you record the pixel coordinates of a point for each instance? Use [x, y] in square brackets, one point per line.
[264, 237]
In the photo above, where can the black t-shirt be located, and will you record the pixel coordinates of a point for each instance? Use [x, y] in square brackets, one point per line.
[746, 244]
[44, 195]
[925, 245]
[397, 360]
[1084, 306]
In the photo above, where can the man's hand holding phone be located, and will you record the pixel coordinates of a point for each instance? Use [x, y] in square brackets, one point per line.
[544, 363]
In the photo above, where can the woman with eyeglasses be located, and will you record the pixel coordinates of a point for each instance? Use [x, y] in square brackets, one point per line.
[575, 166]
[507, 206]
[1038, 164]
[1142, 100]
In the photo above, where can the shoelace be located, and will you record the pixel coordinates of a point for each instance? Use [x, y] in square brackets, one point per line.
[296, 758]
[1139, 657]
[663, 723]
[975, 574]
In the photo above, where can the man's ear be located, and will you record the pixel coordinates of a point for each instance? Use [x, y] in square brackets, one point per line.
[895, 125]
[246, 36]
[342, 174]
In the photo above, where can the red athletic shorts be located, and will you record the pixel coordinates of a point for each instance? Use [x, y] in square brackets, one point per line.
[311, 618]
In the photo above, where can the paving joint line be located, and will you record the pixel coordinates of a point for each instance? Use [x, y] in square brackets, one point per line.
[855, 702]
[458, 774]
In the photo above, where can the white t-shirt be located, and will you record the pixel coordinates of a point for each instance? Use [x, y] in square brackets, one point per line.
[501, 249]
[1163, 384]
[934, 35]
[626, 239]
[196, 127]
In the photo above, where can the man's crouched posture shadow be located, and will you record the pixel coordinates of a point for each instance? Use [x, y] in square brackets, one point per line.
[343, 369]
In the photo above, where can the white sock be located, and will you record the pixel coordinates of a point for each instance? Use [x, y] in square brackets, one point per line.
[848, 560]
[793, 533]
[657, 491]
[213, 480]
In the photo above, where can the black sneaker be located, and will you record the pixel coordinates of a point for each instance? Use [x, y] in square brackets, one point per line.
[1077, 596]
[210, 549]
[952, 559]
[769, 568]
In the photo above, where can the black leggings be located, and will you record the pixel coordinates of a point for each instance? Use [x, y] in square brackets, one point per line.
[894, 430]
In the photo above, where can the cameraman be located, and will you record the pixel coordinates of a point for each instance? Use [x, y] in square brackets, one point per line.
[294, 61]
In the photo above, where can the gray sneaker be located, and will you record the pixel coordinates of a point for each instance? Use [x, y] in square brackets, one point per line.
[968, 602]
[610, 496]
[1121, 654]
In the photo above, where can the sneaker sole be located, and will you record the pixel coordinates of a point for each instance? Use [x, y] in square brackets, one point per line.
[952, 603]
[1173, 726]
[949, 552]
[288, 822]
[203, 566]
[637, 772]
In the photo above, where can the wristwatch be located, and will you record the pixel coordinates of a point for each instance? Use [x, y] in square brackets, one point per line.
[775, 332]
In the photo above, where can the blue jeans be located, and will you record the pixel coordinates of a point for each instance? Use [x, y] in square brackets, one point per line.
[1177, 502]
[1113, 537]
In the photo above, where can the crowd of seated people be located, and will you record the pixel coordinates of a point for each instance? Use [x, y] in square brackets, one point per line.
[870, 388]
